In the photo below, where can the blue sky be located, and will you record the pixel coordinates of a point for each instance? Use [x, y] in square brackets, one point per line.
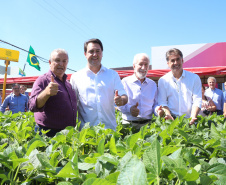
[126, 27]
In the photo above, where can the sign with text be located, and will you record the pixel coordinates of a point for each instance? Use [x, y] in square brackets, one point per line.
[8, 54]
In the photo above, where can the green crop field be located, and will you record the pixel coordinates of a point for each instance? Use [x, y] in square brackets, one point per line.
[163, 152]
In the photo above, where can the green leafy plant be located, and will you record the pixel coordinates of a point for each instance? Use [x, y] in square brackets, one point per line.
[162, 152]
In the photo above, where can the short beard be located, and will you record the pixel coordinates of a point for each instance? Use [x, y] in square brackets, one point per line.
[140, 75]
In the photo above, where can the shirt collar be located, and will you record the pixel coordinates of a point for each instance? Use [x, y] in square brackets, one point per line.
[51, 73]
[135, 79]
[15, 95]
[102, 68]
[182, 76]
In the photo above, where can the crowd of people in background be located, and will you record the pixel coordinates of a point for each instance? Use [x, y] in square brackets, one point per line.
[96, 91]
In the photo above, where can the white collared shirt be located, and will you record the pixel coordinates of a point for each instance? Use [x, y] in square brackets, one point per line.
[95, 95]
[180, 95]
[144, 93]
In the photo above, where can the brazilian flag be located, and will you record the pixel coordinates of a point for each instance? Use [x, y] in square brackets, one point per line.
[32, 59]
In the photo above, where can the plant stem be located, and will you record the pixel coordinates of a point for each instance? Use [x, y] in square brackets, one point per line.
[18, 167]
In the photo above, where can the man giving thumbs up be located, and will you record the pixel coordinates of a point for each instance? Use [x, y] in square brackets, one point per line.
[52, 99]
[142, 94]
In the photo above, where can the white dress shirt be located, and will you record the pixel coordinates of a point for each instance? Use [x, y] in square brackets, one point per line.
[95, 95]
[180, 95]
[144, 93]
[217, 96]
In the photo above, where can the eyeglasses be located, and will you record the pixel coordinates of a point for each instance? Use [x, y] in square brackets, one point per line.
[16, 88]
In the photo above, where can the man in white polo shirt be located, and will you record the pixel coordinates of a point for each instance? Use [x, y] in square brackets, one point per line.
[179, 91]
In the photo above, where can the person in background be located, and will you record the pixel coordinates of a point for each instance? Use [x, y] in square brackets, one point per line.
[23, 89]
[97, 89]
[52, 99]
[179, 91]
[16, 101]
[208, 105]
[142, 94]
[215, 94]
[224, 93]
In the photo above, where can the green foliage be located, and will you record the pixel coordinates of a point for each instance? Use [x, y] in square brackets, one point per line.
[163, 152]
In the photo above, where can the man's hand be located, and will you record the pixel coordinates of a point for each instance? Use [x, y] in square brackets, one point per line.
[52, 88]
[168, 116]
[160, 111]
[134, 110]
[192, 121]
[118, 99]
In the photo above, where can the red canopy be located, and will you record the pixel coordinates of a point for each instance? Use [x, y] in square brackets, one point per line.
[154, 74]
[201, 71]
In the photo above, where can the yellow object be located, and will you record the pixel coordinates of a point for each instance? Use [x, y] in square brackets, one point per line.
[9, 55]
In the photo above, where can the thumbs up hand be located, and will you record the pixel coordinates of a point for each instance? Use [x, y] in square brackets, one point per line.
[134, 110]
[118, 99]
[52, 88]
[160, 111]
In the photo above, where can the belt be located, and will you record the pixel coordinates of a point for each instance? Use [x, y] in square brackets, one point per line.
[140, 122]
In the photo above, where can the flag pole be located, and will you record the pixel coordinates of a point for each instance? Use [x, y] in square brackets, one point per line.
[24, 66]
[4, 84]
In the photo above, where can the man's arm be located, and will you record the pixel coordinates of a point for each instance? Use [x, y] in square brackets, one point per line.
[225, 109]
[194, 112]
[4, 104]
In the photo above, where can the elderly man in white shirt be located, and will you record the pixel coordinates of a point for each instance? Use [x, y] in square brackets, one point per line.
[97, 89]
[179, 91]
[142, 94]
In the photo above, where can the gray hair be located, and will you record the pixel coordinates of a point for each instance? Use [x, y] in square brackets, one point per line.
[58, 51]
[138, 56]
[174, 51]
[16, 84]
[211, 77]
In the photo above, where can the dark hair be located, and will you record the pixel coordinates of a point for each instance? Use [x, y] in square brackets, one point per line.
[97, 41]
[174, 51]
[16, 84]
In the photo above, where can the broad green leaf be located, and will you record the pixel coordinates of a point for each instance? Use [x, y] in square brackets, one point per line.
[151, 178]
[181, 172]
[112, 146]
[109, 158]
[133, 173]
[90, 160]
[85, 166]
[184, 134]
[171, 127]
[214, 133]
[124, 160]
[166, 150]
[192, 175]
[143, 131]
[206, 180]
[151, 158]
[113, 177]
[64, 183]
[54, 161]
[35, 144]
[66, 150]
[97, 181]
[82, 135]
[131, 141]
[68, 171]
[217, 169]
[44, 161]
[100, 147]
